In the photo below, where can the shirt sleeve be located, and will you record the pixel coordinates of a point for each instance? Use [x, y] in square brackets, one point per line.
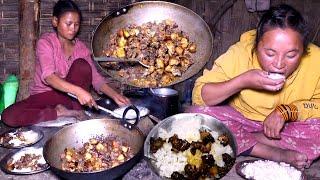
[309, 108]
[44, 54]
[224, 68]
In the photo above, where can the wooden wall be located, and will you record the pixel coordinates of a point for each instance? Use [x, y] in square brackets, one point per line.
[226, 31]
[9, 38]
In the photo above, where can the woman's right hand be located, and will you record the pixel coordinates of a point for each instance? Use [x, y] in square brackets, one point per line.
[85, 98]
[258, 79]
[273, 124]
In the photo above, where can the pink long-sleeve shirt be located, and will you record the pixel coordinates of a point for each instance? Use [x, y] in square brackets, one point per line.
[50, 59]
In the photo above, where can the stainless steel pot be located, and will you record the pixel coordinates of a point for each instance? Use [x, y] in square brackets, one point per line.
[77, 134]
[150, 11]
[165, 102]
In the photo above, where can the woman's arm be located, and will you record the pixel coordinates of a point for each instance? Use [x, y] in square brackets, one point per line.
[60, 84]
[118, 98]
[215, 93]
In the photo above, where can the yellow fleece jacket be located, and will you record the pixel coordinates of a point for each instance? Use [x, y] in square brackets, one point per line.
[302, 88]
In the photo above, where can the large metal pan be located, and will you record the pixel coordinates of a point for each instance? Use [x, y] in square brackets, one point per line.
[77, 134]
[142, 12]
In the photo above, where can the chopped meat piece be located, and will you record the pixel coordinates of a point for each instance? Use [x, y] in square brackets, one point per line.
[224, 140]
[156, 144]
[95, 155]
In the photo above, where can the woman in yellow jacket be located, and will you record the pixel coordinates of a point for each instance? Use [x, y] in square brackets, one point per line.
[270, 80]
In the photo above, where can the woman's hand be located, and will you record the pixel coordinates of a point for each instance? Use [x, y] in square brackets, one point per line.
[85, 98]
[118, 98]
[121, 100]
[258, 79]
[273, 124]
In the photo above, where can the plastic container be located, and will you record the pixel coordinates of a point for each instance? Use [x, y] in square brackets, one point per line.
[10, 89]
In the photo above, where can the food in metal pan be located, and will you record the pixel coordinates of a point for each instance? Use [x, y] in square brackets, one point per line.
[97, 154]
[163, 46]
[199, 154]
[19, 137]
[27, 161]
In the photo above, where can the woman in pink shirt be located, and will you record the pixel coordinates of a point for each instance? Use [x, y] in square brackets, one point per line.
[63, 65]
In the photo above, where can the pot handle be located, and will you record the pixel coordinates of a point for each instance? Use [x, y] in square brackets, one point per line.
[126, 122]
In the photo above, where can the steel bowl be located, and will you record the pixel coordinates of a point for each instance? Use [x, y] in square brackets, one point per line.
[207, 122]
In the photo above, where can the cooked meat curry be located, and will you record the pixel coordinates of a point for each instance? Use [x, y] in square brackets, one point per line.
[163, 46]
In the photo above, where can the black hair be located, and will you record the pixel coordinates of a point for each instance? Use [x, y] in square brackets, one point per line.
[283, 16]
[63, 6]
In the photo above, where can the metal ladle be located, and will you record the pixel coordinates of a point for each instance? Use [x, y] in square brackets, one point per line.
[115, 59]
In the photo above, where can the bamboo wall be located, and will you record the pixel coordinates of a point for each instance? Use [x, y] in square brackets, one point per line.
[226, 31]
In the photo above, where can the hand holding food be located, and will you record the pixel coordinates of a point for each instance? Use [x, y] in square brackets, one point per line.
[261, 80]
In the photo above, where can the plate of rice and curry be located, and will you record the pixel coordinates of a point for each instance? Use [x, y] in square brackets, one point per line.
[21, 137]
[206, 150]
[25, 161]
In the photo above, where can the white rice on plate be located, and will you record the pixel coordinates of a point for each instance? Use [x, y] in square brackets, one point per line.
[270, 170]
[188, 130]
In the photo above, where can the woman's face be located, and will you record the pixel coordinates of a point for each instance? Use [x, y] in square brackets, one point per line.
[67, 25]
[280, 51]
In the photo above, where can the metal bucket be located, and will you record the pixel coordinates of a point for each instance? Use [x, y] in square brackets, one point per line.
[165, 102]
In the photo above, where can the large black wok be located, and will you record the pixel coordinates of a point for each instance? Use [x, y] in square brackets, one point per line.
[150, 11]
[77, 134]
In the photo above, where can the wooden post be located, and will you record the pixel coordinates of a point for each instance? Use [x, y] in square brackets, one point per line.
[28, 30]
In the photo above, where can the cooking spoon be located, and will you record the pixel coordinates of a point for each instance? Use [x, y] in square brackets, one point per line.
[115, 59]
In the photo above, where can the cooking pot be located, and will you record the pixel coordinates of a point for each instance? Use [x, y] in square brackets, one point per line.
[77, 134]
[150, 11]
[165, 102]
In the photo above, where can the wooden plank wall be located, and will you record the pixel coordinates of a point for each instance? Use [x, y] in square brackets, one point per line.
[9, 38]
[226, 31]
